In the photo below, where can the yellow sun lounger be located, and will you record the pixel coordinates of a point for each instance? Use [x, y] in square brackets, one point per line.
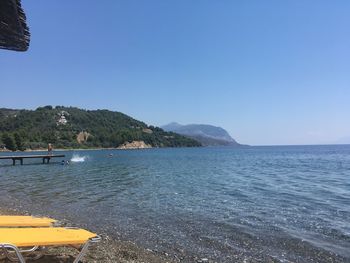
[26, 221]
[16, 238]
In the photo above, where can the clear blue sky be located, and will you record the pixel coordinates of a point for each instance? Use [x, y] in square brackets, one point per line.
[270, 72]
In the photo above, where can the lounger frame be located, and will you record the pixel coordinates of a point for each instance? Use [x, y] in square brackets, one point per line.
[14, 258]
[20, 257]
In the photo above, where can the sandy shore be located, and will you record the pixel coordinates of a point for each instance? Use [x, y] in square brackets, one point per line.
[108, 250]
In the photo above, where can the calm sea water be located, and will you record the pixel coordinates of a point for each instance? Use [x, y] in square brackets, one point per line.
[288, 204]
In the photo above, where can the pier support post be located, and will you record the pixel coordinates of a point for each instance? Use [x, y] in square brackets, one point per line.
[21, 161]
[13, 161]
[46, 159]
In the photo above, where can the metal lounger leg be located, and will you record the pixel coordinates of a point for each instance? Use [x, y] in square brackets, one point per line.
[18, 253]
[14, 258]
[85, 248]
[82, 252]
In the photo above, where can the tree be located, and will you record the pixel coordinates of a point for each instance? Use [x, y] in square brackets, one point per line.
[19, 142]
[9, 142]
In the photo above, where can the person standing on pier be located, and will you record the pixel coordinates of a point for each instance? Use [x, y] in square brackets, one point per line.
[49, 149]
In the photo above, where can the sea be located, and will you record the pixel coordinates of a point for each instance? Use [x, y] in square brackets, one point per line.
[216, 204]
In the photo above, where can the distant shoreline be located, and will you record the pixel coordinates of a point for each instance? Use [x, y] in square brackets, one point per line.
[114, 148]
[59, 150]
[73, 149]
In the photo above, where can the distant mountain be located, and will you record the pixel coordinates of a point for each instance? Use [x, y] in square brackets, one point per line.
[207, 135]
[70, 127]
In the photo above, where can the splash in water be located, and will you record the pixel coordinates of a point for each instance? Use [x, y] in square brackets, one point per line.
[78, 159]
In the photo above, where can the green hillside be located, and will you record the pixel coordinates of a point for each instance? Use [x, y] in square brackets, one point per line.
[69, 127]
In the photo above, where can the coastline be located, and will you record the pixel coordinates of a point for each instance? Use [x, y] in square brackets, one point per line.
[109, 250]
[73, 149]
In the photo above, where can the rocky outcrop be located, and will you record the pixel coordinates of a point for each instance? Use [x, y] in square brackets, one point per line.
[134, 145]
[82, 137]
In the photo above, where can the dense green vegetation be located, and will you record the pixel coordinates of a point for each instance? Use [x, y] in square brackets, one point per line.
[34, 129]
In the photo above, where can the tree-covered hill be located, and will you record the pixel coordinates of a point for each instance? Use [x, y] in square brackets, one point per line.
[70, 127]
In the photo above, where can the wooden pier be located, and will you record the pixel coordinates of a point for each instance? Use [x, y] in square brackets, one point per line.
[46, 157]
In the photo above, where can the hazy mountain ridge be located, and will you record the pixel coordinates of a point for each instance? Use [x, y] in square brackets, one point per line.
[207, 135]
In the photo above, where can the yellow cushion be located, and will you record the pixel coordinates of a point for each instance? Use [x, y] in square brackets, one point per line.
[44, 236]
[25, 221]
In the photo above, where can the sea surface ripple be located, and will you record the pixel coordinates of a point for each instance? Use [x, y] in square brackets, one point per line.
[286, 203]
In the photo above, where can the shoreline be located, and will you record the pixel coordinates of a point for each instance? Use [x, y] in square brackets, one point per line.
[91, 149]
[72, 149]
[111, 249]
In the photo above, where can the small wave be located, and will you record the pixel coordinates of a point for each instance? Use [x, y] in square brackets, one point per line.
[78, 159]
